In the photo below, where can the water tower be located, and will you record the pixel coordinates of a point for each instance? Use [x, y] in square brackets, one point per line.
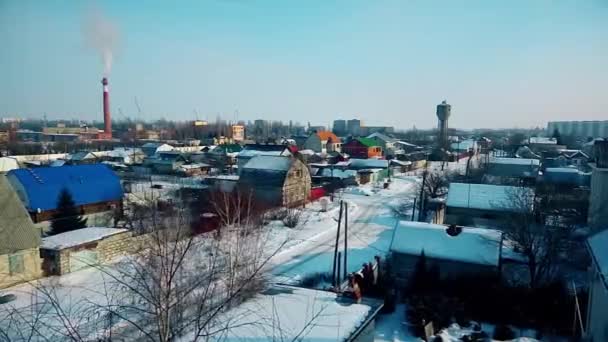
[443, 114]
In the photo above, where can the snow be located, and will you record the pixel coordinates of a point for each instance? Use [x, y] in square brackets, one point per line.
[542, 140]
[598, 244]
[483, 196]
[269, 163]
[472, 245]
[368, 164]
[286, 313]
[325, 172]
[515, 161]
[78, 237]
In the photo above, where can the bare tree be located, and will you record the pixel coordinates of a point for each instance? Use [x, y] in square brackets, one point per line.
[541, 244]
[174, 285]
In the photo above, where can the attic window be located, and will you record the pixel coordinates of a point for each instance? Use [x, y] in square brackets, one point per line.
[298, 173]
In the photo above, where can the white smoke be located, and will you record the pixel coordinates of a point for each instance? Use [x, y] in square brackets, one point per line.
[102, 35]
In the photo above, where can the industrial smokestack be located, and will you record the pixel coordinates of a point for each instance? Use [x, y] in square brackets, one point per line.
[107, 119]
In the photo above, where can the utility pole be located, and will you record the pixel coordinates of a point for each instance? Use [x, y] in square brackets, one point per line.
[335, 276]
[420, 201]
[345, 239]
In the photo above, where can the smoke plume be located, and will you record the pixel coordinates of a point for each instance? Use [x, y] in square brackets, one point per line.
[102, 35]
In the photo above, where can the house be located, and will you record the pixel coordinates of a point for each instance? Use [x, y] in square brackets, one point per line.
[83, 157]
[513, 170]
[387, 143]
[77, 249]
[323, 142]
[290, 313]
[467, 147]
[404, 147]
[362, 148]
[94, 188]
[19, 240]
[455, 250]
[276, 180]
[194, 169]
[565, 176]
[597, 309]
[253, 150]
[166, 162]
[541, 144]
[126, 156]
[482, 205]
[153, 148]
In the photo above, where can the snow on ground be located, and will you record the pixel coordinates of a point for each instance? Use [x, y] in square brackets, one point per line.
[370, 231]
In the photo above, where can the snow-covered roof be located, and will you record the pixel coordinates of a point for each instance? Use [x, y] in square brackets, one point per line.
[405, 143]
[515, 161]
[473, 245]
[292, 313]
[276, 163]
[8, 163]
[542, 140]
[381, 136]
[307, 152]
[597, 245]
[327, 172]
[368, 164]
[483, 196]
[78, 237]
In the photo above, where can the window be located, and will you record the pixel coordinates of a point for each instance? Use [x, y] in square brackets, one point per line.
[15, 264]
[298, 173]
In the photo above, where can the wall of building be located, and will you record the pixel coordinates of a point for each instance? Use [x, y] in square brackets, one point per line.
[108, 249]
[404, 265]
[597, 315]
[313, 143]
[31, 267]
[598, 201]
[296, 188]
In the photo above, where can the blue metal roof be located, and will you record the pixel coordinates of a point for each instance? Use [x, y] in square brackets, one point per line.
[87, 183]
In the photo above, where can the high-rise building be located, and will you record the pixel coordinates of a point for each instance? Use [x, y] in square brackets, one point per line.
[339, 127]
[443, 114]
[353, 127]
[582, 129]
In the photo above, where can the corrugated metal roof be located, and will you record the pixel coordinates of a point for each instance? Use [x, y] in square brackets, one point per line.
[17, 231]
[87, 184]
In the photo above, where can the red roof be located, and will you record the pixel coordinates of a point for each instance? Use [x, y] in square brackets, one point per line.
[326, 135]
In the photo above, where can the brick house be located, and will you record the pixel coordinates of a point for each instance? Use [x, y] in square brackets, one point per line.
[276, 181]
[362, 148]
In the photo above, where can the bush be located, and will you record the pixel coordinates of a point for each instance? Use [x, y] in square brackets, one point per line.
[503, 333]
[276, 214]
[292, 218]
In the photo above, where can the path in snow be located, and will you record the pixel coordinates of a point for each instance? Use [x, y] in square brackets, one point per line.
[370, 231]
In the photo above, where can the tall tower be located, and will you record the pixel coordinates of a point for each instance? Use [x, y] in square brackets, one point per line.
[107, 119]
[443, 114]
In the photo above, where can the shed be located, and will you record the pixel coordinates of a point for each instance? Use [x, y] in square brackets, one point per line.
[455, 250]
[277, 181]
[94, 188]
[77, 249]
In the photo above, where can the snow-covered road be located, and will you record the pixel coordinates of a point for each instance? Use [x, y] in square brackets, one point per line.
[370, 230]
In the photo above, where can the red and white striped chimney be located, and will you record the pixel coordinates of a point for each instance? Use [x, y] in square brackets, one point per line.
[107, 119]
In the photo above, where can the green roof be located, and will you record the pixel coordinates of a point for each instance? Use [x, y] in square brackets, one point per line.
[368, 142]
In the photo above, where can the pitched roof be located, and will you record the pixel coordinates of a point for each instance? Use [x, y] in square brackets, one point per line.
[273, 163]
[473, 245]
[16, 228]
[87, 184]
[381, 136]
[326, 135]
[483, 196]
[367, 142]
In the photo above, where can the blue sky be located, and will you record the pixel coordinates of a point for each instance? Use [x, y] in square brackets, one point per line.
[499, 63]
